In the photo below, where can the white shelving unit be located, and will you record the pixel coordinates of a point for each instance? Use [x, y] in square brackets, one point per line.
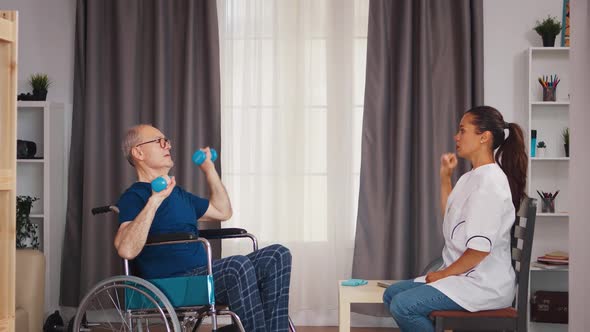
[44, 177]
[549, 173]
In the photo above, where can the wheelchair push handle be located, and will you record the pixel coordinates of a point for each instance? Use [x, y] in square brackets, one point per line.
[103, 209]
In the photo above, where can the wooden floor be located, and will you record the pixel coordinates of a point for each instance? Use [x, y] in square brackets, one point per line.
[329, 329]
[207, 328]
[335, 329]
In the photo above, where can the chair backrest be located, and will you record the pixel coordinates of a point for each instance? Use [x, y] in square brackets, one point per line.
[435, 265]
[522, 245]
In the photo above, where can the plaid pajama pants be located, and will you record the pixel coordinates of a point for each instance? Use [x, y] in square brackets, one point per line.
[255, 286]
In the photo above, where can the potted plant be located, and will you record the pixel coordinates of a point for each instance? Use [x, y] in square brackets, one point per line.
[548, 29]
[40, 83]
[565, 134]
[541, 149]
[27, 233]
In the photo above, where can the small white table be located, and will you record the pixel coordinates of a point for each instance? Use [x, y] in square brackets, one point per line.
[369, 293]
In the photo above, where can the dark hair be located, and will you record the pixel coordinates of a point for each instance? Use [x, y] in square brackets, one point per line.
[511, 155]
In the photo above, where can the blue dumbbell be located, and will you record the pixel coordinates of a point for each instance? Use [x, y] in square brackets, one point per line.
[200, 156]
[159, 184]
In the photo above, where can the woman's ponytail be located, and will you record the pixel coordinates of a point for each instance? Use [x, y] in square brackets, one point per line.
[512, 158]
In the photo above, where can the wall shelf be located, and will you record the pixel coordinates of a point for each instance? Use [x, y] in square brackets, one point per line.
[32, 161]
[551, 159]
[556, 269]
[549, 49]
[557, 214]
[39, 105]
[550, 103]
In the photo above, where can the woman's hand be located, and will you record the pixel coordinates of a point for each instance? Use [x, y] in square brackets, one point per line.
[434, 276]
[448, 162]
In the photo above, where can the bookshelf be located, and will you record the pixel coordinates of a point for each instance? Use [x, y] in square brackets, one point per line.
[43, 122]
[549, 173]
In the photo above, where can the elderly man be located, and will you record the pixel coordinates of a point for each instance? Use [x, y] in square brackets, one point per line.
[256, 286]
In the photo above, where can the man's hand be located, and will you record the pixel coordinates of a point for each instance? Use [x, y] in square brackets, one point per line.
[159, 197]
[132, 234]
[448, 162]
[434, 276]
[207, 164]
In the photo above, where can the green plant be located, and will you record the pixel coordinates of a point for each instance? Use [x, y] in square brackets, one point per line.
[24, 226]
[565, 134]
[541, 145]
[548, 27]
[39, 82]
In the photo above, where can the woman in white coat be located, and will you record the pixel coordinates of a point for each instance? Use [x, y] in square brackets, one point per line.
[479, 212]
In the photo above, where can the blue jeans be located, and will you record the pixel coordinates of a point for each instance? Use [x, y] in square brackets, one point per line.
[410, 303]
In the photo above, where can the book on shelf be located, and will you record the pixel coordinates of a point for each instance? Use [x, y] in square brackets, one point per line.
[552, 261]
[548, 266]
[554, 258]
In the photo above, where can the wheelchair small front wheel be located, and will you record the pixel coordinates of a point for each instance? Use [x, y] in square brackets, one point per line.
[125, 303]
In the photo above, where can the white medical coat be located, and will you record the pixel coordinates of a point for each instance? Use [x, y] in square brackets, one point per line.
[479, 215]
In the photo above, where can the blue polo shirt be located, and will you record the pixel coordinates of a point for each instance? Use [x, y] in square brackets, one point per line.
[179, 212]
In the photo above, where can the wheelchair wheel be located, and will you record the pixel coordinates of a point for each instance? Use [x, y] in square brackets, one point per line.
[125, 303]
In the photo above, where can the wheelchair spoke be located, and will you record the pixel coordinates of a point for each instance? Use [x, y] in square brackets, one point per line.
[119, 310]
[118, 301]
[103, 309]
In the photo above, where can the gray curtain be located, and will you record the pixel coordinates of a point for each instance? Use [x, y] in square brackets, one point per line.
[424, 69]
[136, 61]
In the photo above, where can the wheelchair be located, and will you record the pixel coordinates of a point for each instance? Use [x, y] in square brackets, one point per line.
[175, 304]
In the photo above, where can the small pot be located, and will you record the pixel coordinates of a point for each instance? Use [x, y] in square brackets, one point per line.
[566, 147]
[548, 40]
[30, 239]
[39, 95]
[541, 152]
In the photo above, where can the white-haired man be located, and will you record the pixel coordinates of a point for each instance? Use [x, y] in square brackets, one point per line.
[256, 286]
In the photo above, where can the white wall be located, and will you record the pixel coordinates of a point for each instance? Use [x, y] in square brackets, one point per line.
[46, 45]
[508, 33]
[579, 166]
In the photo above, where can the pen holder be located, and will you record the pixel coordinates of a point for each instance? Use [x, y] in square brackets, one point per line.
[549, 94]
[548, 205]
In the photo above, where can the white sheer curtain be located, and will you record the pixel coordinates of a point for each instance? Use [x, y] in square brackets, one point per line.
[293, 74]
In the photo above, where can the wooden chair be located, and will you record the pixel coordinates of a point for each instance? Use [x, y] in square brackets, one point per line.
[512, 318]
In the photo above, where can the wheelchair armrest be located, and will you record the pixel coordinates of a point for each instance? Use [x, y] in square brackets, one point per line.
[208, 234]
[170, 237]
[222, 233]
[228, 233]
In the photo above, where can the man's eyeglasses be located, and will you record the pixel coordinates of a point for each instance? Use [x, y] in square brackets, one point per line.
[163, 141]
